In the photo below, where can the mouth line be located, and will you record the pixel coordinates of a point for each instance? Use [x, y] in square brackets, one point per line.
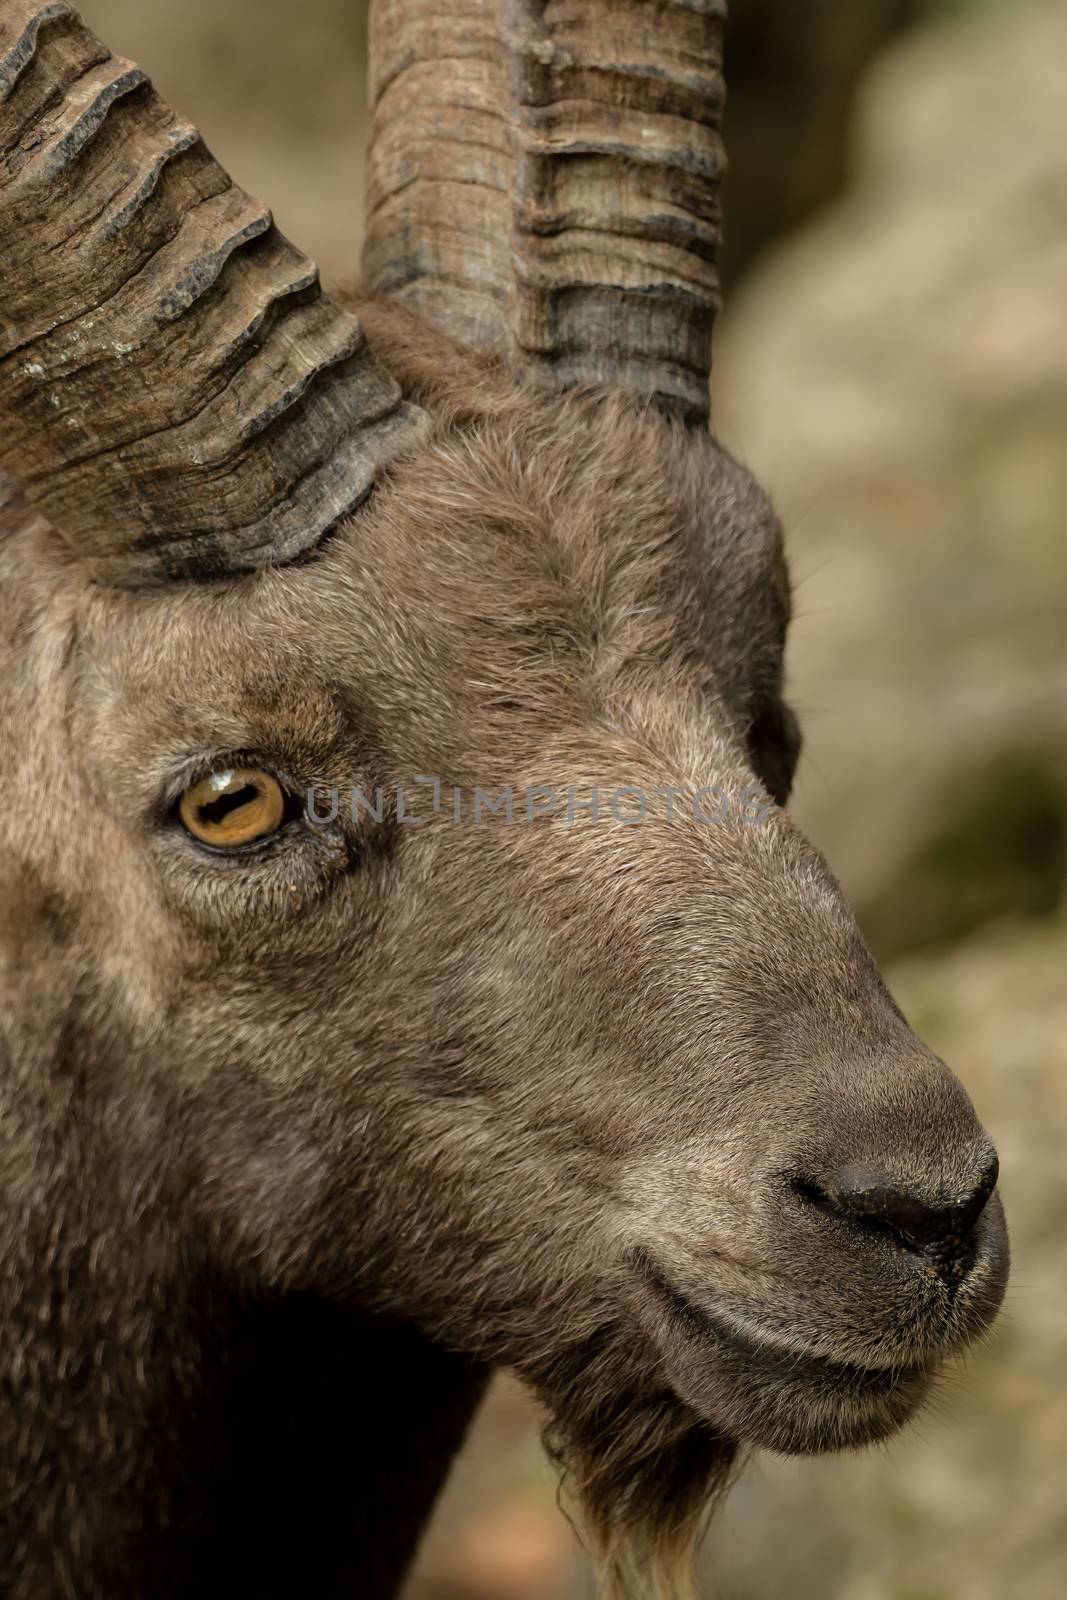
[772, 1361]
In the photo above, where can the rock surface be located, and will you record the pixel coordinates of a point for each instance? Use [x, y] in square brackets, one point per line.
[897, 377]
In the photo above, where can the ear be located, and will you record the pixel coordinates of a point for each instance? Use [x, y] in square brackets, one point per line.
[774, 744]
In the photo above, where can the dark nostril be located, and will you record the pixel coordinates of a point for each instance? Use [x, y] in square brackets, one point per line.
[875, 1201]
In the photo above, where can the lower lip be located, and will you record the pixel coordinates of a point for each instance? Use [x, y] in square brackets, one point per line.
[772, 1361]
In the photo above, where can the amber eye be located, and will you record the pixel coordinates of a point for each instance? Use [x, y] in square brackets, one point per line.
[238, 806]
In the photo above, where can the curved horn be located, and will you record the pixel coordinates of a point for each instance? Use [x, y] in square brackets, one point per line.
[176, 393]
[544, 179]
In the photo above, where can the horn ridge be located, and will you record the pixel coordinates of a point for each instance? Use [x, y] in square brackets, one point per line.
[544, 180]
[177, 394]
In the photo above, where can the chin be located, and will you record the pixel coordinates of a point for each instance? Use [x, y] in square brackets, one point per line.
[763, 1393]
[765, 1388]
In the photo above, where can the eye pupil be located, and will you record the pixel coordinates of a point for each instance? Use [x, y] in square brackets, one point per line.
[233, 807]
[218, 810]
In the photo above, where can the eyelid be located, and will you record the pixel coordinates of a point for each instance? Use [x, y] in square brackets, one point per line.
[191, 770]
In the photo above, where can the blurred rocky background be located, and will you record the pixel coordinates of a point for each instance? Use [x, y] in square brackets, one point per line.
[893, 365]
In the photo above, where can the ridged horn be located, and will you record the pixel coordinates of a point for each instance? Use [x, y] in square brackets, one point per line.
[544, 180]
[176, 392]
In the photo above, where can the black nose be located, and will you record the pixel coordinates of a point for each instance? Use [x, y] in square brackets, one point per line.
[876, 1202]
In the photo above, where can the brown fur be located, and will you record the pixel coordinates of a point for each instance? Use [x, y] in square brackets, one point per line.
[296, 1148]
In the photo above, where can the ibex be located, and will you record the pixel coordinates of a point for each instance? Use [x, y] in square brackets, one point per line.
[312, 1116]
